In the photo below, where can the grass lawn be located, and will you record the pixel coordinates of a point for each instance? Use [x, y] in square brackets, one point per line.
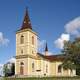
[44, 78]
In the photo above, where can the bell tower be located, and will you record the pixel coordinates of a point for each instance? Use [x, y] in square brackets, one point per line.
[26, 38]
[26, 44]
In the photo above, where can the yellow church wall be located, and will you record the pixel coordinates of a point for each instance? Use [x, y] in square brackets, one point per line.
[20, 46]
[31, 72]
[17, 66]
[52, 68]
[27, 66]
[28, 47]
[42, 64]
[38, 64]
[38, 69]
[47, 67]
[32, 47]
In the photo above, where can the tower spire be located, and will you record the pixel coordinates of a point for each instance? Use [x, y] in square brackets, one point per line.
[26, 22]
[46, 48]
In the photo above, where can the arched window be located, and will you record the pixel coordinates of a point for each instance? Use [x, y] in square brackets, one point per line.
[59, 69]
[21, 51]
[33, 40]
[32, 67]
[22, 39]
[21, 63]
[32, 52]
[71, 71]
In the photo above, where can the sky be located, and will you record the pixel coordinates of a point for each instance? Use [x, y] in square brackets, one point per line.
[53, 20]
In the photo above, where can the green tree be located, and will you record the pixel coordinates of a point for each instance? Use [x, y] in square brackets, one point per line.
[13, 69]
[9, 69]
[72, 55]
[5, 70]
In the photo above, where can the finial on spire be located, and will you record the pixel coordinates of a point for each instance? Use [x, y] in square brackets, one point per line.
[26, 11]
[26, 22]
[26, 8]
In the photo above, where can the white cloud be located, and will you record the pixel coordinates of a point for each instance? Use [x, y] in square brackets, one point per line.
[1, 65]
[73, 27]
[59, 43]
[12, 60]
[3, 40]
[41, 45]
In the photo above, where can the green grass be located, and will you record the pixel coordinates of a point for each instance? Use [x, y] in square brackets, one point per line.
[44, 78]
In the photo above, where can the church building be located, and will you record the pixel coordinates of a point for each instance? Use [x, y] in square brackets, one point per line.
[29, 62]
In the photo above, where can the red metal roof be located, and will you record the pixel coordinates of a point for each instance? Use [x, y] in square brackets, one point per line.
[52, 57]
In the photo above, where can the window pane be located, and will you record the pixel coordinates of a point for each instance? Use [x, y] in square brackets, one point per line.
[21, 51]
[32, 67]
[59, 69]
[22, 39]
[33, 40]
[46, 68]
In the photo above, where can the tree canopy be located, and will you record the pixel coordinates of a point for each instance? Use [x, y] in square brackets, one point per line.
[72, 54]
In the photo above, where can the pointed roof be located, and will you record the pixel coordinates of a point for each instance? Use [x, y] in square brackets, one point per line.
[46, 48]
[26, 22]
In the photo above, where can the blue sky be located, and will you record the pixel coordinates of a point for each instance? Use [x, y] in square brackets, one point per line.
[48, 18]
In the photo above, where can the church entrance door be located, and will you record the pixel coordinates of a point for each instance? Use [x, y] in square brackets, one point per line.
[21, 70]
